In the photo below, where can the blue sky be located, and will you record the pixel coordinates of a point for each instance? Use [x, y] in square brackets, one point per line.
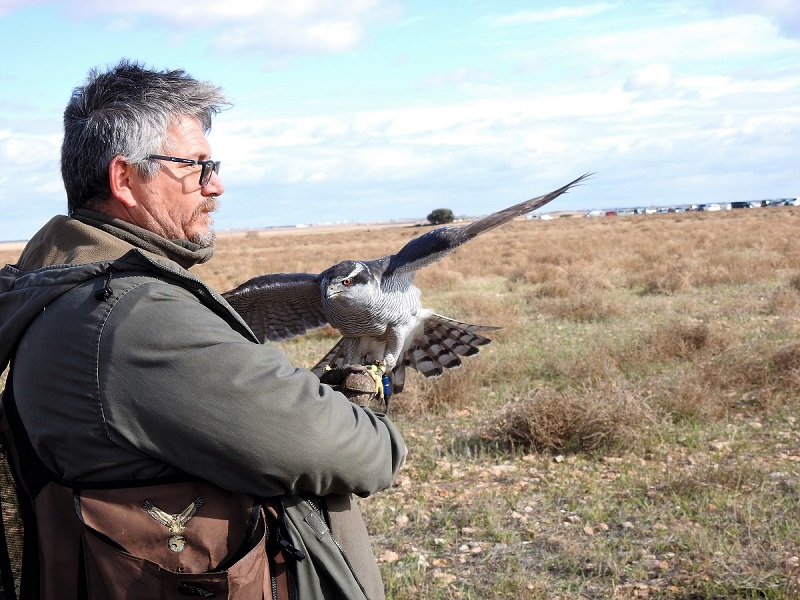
[371, 110]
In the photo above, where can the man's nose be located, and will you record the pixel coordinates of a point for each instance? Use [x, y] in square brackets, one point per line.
[214, 186]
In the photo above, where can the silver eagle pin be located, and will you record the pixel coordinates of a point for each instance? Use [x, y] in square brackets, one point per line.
[176, 524]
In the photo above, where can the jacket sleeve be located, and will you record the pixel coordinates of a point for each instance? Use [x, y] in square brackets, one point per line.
[179, 384]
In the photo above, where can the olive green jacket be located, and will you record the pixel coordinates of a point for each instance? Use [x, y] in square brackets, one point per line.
[128, 367]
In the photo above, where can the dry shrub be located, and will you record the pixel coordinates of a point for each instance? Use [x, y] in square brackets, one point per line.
[586, 419]
[782, 301]
[439, 277]
[561, 283]
[593, 363]
[673, 339]
[537, 273]
[784, 365]
[741, 367]
[730, 473]
[483, 309]
[755, 374]
[581, 308]
[677, 339]
[736, 267]
[667, 280]
[455, 389]
[554, 288]
[794, 282]
[687, 394]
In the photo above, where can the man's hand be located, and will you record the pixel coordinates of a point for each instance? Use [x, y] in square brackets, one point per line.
[362, 385]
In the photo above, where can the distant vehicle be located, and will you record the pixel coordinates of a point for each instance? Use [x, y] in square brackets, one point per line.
[596, 213]
[792, 202]
[611, 213]
[650, 210]
[712, 207]
[740, 205]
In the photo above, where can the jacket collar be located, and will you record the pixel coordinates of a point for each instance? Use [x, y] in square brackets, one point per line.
[90, 236]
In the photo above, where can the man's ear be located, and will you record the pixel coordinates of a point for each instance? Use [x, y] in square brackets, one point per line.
[122, 178]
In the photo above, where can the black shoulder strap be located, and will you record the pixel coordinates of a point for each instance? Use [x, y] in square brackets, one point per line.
[30, 476]
[7, 589]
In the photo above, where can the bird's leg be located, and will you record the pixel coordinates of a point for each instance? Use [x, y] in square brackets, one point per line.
[350, 347]
[394, 346]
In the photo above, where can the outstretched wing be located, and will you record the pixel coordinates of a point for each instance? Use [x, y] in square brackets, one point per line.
[280, 305]
[435, 245]
[189, 511]
[166, 519]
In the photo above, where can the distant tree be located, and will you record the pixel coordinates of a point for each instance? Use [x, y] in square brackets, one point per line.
[440, 216]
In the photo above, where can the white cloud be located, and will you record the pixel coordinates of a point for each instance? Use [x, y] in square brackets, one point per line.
[695, 42]
[541, 16]
[9, 6]
[653, 80]
[298, 26]
[461, 76]
[785, 12]
[23, 151]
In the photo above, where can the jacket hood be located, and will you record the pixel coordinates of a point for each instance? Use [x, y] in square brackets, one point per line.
[70, 250]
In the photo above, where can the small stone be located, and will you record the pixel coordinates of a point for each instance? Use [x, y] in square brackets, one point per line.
[387, 556]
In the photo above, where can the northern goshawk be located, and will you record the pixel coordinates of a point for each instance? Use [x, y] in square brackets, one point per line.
[375, 305]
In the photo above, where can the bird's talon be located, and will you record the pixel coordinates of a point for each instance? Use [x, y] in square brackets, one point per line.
[376, 372]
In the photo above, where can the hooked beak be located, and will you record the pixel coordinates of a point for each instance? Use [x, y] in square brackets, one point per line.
[332, 290]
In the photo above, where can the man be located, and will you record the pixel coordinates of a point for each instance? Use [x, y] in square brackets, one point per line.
[128, 370]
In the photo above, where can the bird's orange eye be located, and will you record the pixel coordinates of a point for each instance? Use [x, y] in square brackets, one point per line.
[347, 282]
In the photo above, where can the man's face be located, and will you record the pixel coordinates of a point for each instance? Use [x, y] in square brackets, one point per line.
[176, 206]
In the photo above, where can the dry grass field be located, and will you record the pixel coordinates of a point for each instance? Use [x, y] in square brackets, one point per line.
[632, 432]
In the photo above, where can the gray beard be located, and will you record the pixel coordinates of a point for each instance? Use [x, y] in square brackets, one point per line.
[205, 240]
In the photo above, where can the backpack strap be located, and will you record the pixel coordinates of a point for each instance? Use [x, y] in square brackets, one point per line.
[7, 587]
[30, 477]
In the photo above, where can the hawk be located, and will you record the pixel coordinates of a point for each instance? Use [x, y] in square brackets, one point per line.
[375, 305]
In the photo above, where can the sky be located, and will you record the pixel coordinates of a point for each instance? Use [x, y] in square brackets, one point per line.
[376, 110]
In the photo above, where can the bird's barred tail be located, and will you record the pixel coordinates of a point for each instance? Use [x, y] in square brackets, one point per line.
[440, 346]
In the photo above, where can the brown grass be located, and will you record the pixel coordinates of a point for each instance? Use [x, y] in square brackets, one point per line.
[632, 432]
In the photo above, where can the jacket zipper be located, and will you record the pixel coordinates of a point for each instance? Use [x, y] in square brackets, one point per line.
[319, 512]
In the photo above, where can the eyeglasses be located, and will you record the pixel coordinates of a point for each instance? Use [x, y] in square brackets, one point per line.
[209, 166]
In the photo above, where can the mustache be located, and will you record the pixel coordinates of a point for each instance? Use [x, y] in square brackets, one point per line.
[211, 204]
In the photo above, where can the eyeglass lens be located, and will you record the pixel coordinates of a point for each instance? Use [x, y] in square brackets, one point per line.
[209, 167]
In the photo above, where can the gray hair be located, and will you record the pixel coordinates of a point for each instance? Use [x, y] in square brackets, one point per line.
[126, 111]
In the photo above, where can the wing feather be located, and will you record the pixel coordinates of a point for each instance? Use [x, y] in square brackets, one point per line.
[334, 358]
[279, 305]
[438, 243]
[442, 342]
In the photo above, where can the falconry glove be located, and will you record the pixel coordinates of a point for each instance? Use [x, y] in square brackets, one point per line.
[363, 385]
